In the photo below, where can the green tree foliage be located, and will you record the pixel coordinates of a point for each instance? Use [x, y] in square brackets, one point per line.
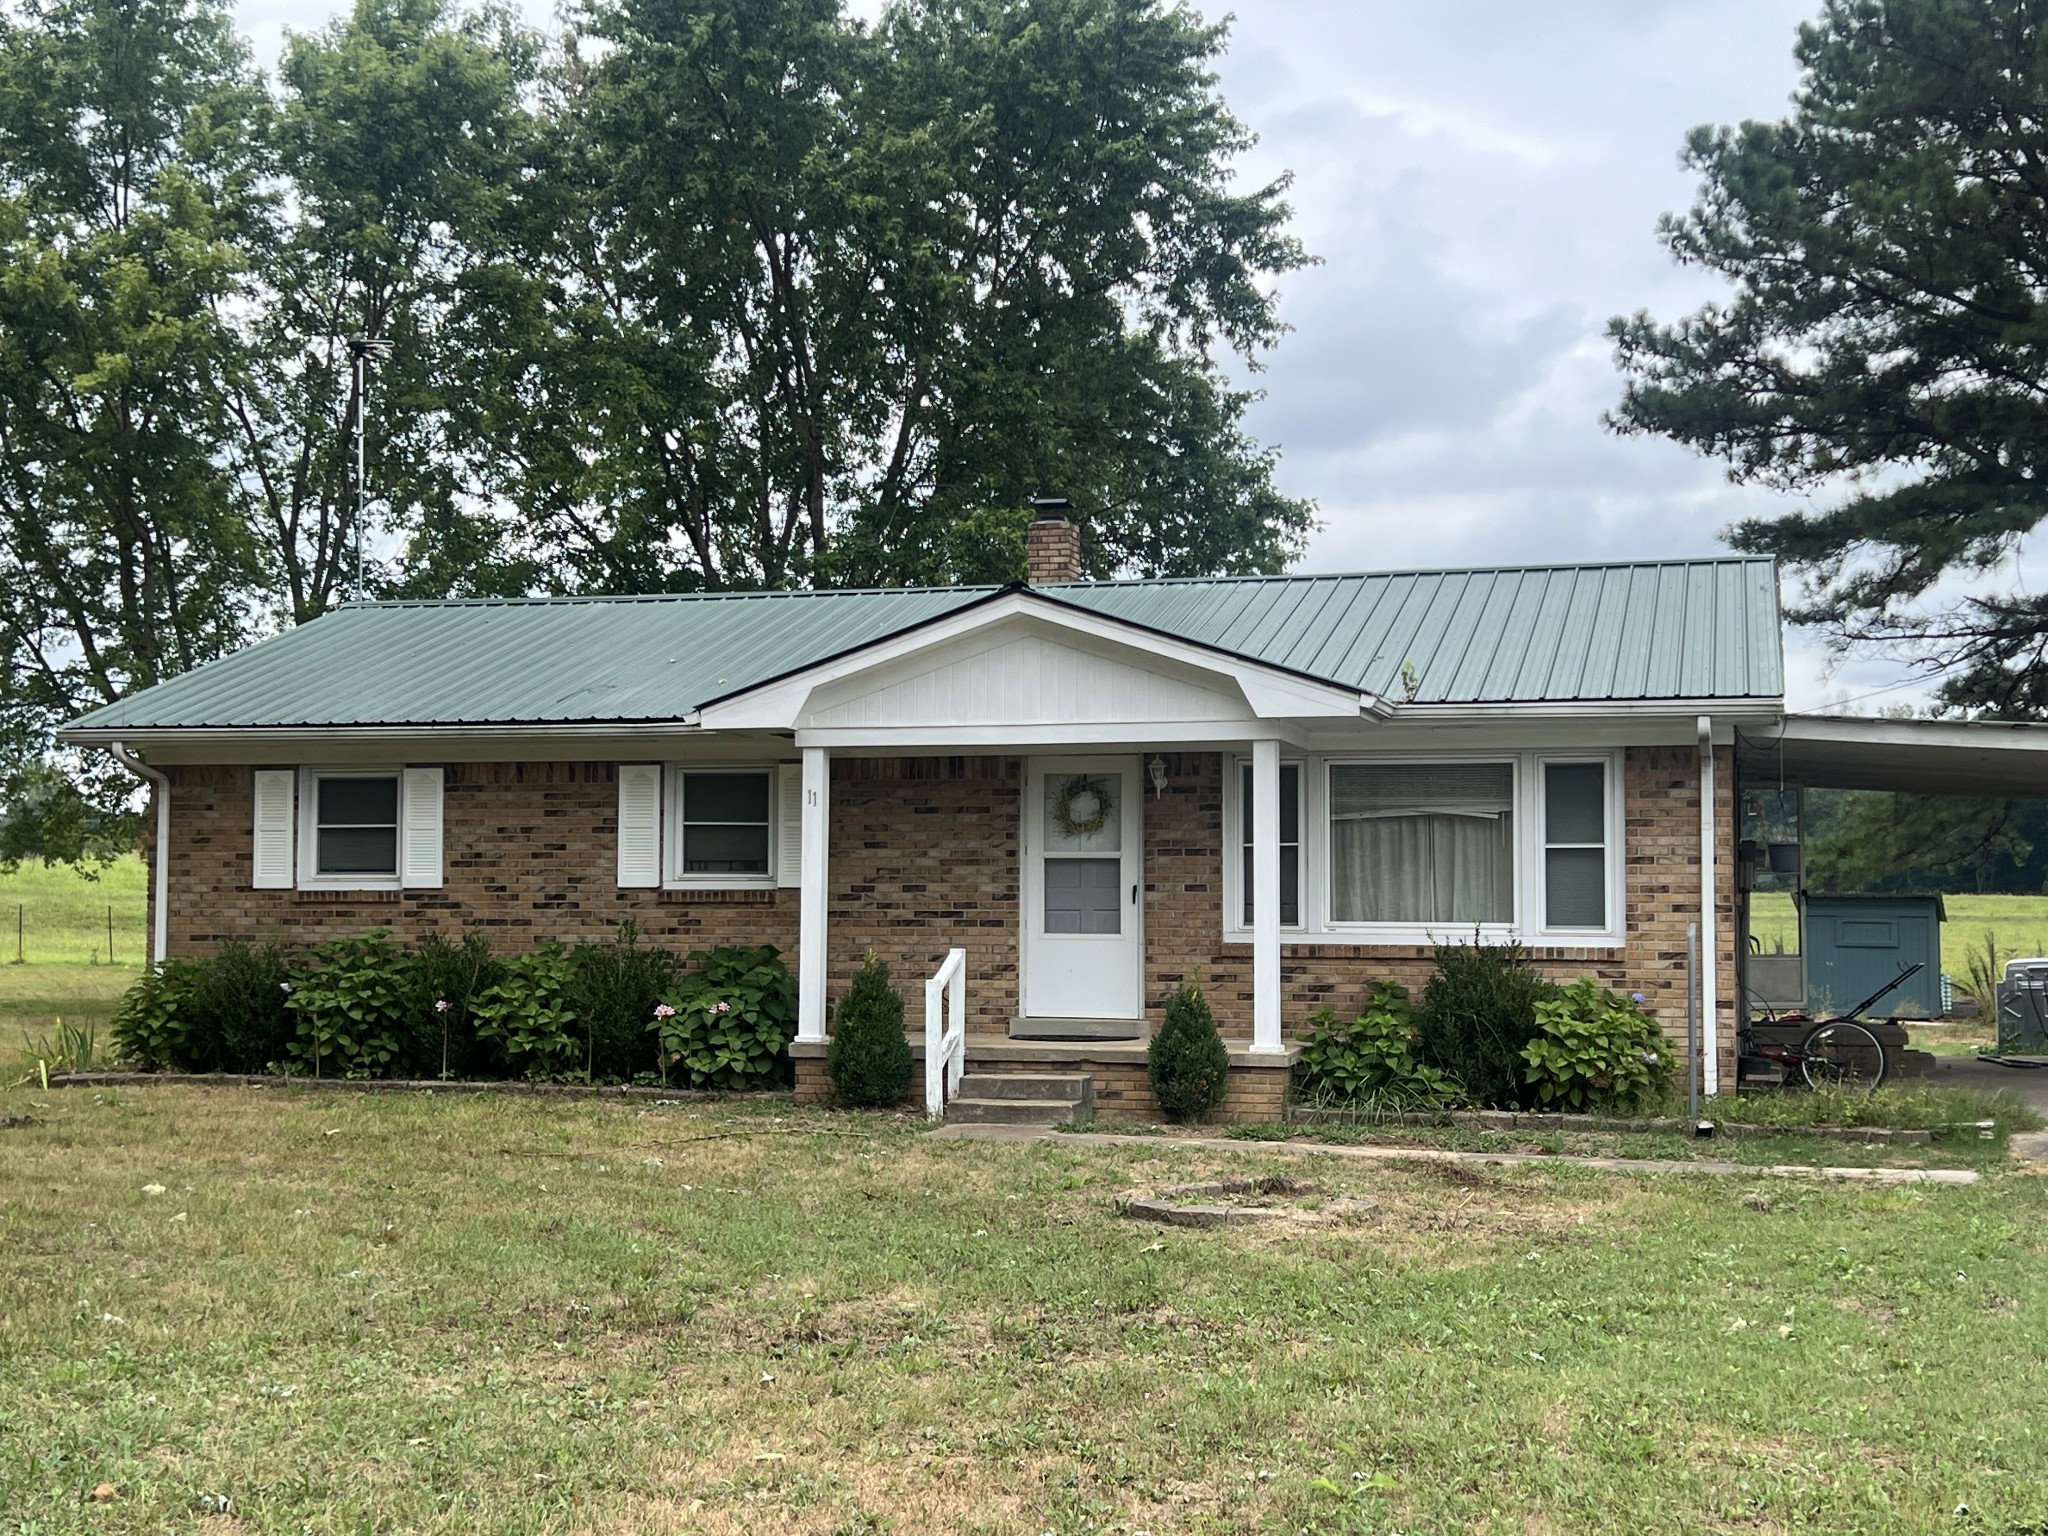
[1873, 840]
[1887, 327]
[182, 255]
[869, 1059]
[129, 201]
[811, 302]
[1187, 1062]
[723, 293]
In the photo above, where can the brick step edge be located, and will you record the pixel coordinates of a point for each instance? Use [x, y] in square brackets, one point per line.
[1519, 1120]
[635, 1091]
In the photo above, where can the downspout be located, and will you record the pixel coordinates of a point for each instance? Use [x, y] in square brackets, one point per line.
[1710, 1038]
[160, 866]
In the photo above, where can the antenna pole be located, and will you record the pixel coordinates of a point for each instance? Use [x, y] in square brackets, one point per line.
[362, 433]
[363, 349]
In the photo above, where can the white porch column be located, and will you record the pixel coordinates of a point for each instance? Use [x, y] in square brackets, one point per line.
[1266, 896]
[811, 938]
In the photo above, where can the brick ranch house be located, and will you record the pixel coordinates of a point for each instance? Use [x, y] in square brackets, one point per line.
[1278, 788]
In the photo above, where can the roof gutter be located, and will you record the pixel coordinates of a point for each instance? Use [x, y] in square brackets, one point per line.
[112, 737]
[160, 863]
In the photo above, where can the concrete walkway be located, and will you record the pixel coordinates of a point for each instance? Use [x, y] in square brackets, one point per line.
[1476, 1159]
[2027, 1084]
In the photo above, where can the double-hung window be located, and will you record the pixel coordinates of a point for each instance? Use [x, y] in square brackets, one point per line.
[1422, 843]
[1290, 843]
[1575, 851]
[355, 824]
[724, 825]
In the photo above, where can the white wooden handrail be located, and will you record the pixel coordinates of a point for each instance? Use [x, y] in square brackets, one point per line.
[945, 1032]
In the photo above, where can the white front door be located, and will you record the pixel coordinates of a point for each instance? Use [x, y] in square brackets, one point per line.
[1083, 847]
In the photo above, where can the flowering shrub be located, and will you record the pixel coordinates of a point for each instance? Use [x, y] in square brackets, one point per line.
[529, 1016]
[728, 1023]
[1371, 1059]
[352, 1008]
[1594, 1050]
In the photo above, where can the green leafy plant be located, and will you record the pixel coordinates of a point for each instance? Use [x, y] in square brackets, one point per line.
[73, 1047]
[241, 999]
[1371, 1059]
[1477, 1016]
[153, 1027]
[617, 988]
[728, 1023]
[527, 1014]
[869, 1060]
[1595, 1050]
[447, 981]
[352, 1006]
[1187, 1063]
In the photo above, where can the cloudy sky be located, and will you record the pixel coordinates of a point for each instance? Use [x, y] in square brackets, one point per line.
[1482, 180]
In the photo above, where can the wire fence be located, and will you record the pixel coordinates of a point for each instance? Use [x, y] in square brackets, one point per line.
[68, 933]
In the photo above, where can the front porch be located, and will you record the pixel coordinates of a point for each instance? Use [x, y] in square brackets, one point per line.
[1115, 1070]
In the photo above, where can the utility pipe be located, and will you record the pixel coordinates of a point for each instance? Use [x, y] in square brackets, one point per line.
[1710, 1069]
[160, 865]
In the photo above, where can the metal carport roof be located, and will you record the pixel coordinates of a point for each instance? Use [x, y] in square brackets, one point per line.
[1920, 757]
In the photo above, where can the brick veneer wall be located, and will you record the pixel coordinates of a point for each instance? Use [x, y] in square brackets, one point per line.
[529, 851]
[924, 856]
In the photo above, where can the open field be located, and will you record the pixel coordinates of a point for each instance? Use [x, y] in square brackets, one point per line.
[2019, 922]
[343, 1312]
[62, 915]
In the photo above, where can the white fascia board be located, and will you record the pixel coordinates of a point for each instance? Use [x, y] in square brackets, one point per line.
[1271, 692]
[1727, 714]
[441, 743]
[1997, 735]
[1182, 735]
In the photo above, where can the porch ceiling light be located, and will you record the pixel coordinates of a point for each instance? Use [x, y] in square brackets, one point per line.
[1157, 768]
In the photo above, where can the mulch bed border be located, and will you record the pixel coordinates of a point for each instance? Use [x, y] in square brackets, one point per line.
[411, 1085]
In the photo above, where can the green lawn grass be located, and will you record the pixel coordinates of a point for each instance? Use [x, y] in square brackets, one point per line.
[429, 1313]
[61, 915]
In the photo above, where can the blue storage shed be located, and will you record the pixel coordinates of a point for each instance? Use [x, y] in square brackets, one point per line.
[1855, 944]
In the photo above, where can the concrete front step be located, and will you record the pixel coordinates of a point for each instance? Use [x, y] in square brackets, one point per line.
[1022, 1098]
[1072, 1087]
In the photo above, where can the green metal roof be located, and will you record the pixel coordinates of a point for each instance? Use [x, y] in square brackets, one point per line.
[1694, 629]
[1668, 629]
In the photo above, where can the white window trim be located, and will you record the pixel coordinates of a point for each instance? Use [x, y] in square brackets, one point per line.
[309, 828]
[672, 876]
[1612, 932]
[1318, 927]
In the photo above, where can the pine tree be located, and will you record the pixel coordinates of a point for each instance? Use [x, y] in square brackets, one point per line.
[1188, 1065]
[869, 1059]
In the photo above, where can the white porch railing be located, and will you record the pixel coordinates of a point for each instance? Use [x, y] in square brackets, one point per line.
[945, 1032]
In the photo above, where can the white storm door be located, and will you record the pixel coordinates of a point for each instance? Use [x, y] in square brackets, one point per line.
[1084, 947]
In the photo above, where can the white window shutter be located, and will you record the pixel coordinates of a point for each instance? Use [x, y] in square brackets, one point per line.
[639, 824]
[419, 835]
[272, 865]
[789, 832]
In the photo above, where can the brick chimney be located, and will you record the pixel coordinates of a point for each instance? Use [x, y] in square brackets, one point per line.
[1052, 544]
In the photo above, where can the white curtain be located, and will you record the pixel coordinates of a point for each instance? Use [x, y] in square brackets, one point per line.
[1422, 843]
